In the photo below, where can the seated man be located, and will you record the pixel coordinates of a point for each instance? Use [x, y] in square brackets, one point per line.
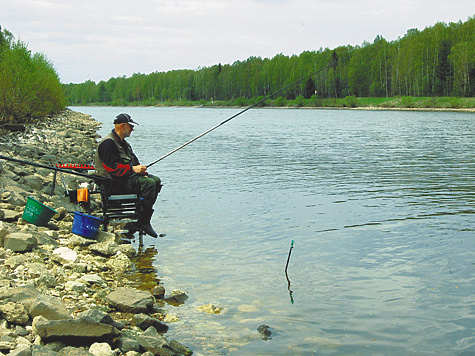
[115, 159]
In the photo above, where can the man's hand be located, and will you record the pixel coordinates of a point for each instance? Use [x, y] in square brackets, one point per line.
[139, 169]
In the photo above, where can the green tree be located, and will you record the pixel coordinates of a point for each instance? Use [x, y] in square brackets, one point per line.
[102, 93]
[444, 71]
[309, 88]
[462, 59]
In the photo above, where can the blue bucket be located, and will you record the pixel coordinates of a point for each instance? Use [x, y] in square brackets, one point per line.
[86, 225]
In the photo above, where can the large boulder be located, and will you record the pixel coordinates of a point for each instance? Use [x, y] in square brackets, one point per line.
[81, 330]
[131, 300]
[24, 295]
[20, 242]
[49, 307]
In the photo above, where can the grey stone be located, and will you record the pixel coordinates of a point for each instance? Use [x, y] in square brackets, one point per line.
[130, 300]
[7, 342]
[153, 342]
[16, 197]
[127, 345]
[21, 331]
[158, 291]
[119, 262]
[74, 351]
[15, 261]
[76, 240]
[104, 236]
[177, 297]
[264, 331]
[93, 279]
[3, 229]
[20, 242]
[75, 330]
[11, 215]
[35, 182]
[49, 307]
[21, 350]
[55, 346]
[104, 248]
[24, 295]
[100, 317]
[45, 239]
[64, 255]
[144, 321]
[179, 348]
[39, 350]
[101, 349]
[14, 313]
[20, 171]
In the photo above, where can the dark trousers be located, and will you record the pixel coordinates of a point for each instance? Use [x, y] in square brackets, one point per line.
[147, 186]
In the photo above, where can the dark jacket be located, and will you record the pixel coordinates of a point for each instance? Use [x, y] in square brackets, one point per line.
[114, 158]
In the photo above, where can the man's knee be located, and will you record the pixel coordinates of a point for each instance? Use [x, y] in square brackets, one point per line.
[152, 181]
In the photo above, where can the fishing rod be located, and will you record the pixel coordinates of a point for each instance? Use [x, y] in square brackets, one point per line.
[333, 64]
[92, 176]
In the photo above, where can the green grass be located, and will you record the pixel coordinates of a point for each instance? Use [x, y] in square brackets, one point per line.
[406, 102]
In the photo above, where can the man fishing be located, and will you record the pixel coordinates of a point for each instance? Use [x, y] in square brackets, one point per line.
[116, 160]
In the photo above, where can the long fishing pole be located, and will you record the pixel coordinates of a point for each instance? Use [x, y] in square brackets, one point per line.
[333, 64]
[90, 176]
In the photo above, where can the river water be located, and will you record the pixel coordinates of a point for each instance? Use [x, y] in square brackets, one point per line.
[380, 206]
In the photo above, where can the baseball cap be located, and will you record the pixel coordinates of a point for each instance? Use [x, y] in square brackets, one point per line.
[124, 119]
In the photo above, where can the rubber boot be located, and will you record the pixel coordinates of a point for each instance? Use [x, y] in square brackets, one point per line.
[145, 225]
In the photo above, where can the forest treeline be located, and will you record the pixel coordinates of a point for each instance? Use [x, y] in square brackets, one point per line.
[29, 85]
[438, 61]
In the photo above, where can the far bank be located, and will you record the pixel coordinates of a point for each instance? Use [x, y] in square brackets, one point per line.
[349, 102]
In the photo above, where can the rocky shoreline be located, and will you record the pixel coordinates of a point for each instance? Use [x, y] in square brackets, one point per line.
[61, 293]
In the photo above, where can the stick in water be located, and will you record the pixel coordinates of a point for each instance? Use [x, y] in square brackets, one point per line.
[286, 275]
[288, 258]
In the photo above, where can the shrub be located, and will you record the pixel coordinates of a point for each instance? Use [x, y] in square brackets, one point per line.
[29, 85]
[299, 101]
[241, 101]
[407, 102]
[351, 102]
[454, 102]
[280, 102]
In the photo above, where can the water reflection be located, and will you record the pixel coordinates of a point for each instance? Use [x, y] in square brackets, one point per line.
[144, 274]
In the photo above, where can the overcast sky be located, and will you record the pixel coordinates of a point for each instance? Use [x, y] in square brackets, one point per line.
[100, 39]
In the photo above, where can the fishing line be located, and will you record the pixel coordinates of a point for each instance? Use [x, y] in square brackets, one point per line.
[333, 64]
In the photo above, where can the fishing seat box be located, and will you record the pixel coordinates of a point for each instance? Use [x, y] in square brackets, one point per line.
[120, 208]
